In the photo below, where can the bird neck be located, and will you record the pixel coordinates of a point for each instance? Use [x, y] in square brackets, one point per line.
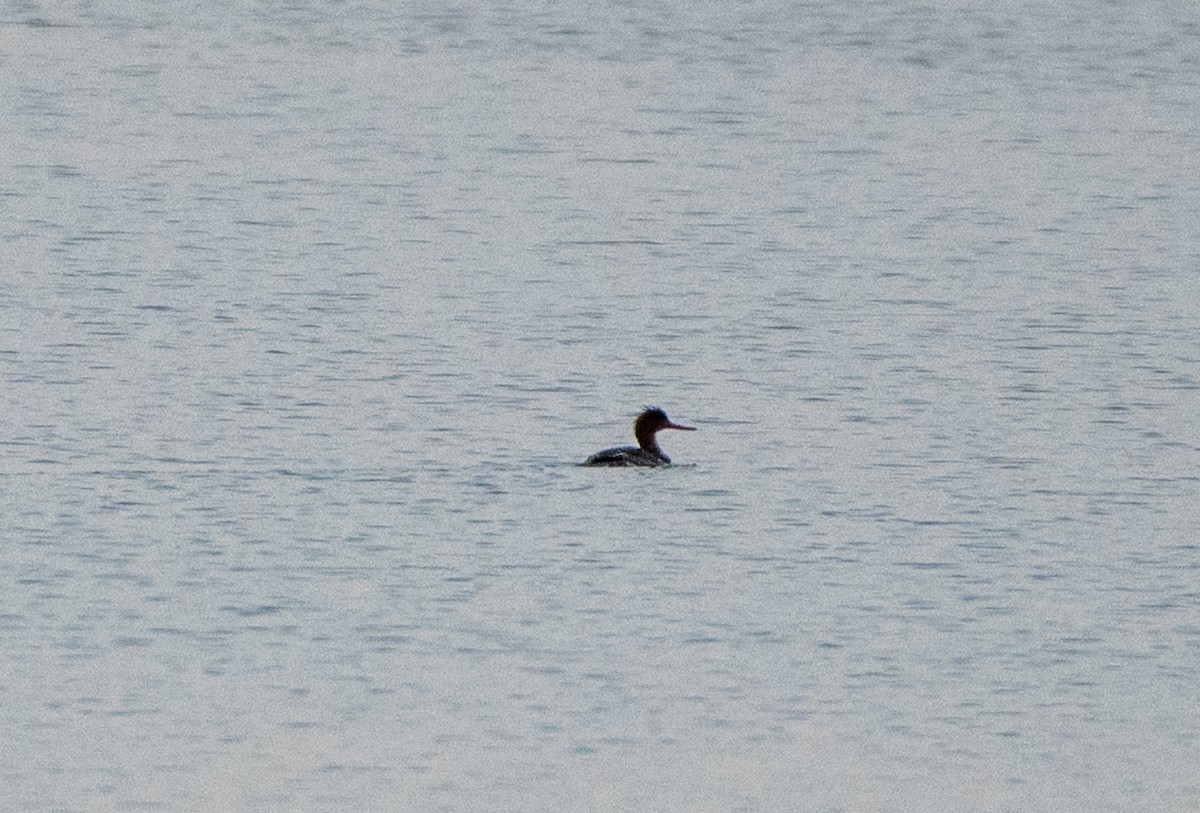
[646, 439]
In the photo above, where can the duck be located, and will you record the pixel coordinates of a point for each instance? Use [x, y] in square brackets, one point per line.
[647, 452]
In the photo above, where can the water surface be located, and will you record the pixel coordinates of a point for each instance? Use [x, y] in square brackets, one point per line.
[309, 313]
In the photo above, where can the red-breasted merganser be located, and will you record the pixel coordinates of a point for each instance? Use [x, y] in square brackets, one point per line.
[646, 453]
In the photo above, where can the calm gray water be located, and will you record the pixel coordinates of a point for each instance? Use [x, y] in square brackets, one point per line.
[308, 312]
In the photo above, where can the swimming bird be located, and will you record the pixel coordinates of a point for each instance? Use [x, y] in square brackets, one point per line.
[646, 453]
